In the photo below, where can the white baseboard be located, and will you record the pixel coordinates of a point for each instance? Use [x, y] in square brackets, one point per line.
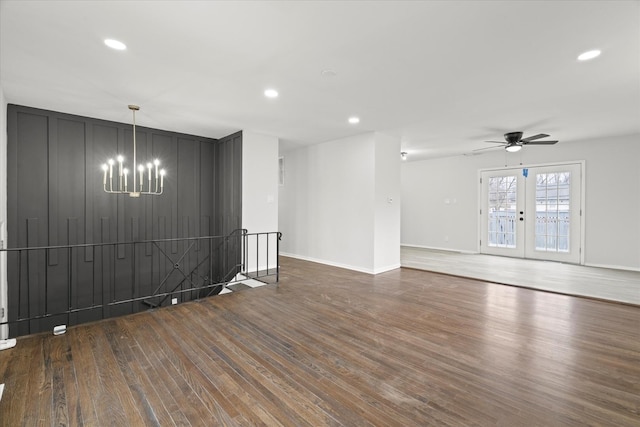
[387, 268]
[613, 267]
[434, 248]
[340, 265]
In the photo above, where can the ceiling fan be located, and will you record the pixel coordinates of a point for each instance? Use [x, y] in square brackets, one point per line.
[515, 141]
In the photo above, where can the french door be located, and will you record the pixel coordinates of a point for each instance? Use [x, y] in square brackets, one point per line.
[532, 212]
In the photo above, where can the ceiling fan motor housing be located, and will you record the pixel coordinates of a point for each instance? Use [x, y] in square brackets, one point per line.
[513, 137]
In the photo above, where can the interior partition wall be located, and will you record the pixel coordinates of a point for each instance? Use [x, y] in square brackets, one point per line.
[56, 197]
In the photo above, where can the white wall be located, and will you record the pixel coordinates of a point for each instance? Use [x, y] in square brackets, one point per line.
[333, 205]
[612, 199]
[387, 203]
[260, 194]
[4, 331]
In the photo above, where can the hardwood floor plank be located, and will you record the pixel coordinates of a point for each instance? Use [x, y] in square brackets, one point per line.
[579, 280]
[157, 383]
[303, 380]
[305, 409]
[64, 403]
[18, 374]
[154, 346]
[119, 338]
[229, 392]
[332, 347]
[364, 404]
[233, 367]
[212, 400]
[106, 394]
[38, 408]
[85, 373]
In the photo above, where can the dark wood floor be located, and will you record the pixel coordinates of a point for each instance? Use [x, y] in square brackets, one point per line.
[334, 347]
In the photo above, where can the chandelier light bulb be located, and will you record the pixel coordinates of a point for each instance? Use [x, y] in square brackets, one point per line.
[120, 159]
[105, 168]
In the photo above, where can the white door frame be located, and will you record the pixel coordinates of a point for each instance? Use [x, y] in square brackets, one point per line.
[583, 215]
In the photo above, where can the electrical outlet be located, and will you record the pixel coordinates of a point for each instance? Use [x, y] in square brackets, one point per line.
[174, 301]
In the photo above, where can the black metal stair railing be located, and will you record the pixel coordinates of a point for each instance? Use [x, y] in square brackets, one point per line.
[178, 266]
[87, 282]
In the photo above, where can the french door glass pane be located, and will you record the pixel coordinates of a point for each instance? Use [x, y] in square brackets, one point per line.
[502, 211]
[552, 211]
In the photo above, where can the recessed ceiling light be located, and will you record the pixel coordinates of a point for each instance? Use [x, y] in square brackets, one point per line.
[271, 93]
[354, 120]
[115, 44]
[589, 55]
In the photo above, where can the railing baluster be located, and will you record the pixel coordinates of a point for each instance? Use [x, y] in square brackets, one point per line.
[19, 281]
[133, 271]
[93, 275]
[70, 283]
[278, 236]
[46, 281]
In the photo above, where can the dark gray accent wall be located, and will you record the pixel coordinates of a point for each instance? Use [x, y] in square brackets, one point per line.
[228, 197]
[55, 197]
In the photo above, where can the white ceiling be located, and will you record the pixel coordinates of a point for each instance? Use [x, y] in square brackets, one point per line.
[441, 75]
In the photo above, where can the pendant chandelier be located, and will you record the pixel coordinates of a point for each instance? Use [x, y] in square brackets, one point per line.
[119, 184]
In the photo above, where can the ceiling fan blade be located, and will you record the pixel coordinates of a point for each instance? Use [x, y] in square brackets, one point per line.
[531, 138]
[487, 148]
[497, 142]
[541, 142]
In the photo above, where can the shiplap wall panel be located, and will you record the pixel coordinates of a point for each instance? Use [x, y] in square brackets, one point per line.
[55, 197]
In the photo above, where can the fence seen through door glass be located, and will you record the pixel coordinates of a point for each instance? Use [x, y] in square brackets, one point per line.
[552, 211]
[502, 211]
